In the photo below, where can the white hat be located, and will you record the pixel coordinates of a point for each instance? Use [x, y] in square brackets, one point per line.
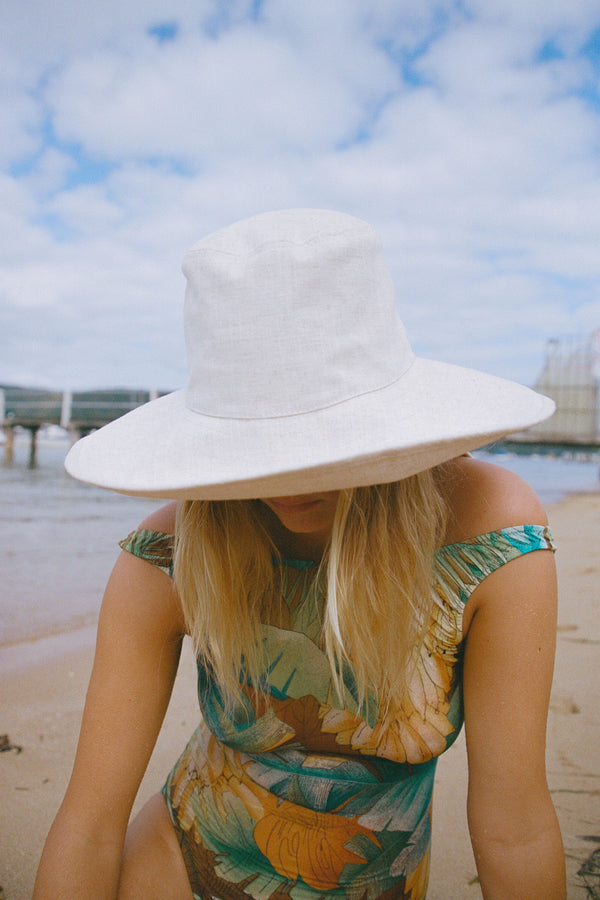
[301, 377]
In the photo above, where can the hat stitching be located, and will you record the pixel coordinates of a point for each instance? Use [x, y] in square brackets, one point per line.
[254, 251]
[307, 412]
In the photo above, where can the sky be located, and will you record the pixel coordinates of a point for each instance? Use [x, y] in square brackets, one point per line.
[467, 133]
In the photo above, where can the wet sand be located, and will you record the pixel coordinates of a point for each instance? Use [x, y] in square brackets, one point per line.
[42, 690]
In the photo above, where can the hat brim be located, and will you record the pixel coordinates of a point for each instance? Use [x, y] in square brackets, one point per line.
[435, 412]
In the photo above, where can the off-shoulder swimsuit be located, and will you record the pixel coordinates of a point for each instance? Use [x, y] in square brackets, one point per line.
[307, 794]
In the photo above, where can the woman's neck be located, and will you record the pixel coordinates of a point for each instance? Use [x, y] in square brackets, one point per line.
[294, 545]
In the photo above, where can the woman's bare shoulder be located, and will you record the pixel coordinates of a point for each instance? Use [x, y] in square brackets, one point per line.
[162, 519]
[143, 583]
[484, 497]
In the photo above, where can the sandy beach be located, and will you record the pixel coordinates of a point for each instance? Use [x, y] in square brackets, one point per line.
[42, 690]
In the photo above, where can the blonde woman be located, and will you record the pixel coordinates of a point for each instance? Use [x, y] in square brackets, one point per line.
[355, 584]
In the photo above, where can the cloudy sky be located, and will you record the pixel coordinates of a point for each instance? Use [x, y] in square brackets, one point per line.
[467, 132]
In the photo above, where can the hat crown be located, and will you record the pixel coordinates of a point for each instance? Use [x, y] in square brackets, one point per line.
[301, 377]
[289, 312]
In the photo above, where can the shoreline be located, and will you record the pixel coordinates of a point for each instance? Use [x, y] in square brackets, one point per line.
[84, 624]
[43, 683]
[19, 653]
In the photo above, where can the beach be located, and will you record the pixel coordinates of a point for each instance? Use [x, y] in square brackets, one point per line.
[43, 684]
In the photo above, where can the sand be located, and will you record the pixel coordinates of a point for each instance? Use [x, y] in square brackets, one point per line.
[42, 690]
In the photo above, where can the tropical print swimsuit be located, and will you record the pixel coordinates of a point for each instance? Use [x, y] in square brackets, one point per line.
[307, 796]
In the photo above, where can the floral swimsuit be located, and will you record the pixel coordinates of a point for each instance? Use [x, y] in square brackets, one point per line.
[308, 795]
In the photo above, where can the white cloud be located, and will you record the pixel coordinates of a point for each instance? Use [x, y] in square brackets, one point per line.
[547, 18]
[20, 116]
[481, 169]
[196, 99]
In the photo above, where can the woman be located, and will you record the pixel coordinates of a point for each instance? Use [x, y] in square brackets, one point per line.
[355, 585]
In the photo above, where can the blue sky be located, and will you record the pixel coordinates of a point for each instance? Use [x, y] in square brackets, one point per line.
[468, 133]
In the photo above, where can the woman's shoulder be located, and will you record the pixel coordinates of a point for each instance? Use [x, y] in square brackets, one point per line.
[161, 520]
[153, 539]
[483, 497]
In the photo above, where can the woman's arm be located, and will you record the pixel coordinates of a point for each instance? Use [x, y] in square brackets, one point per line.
[139, 639]
[507, 678]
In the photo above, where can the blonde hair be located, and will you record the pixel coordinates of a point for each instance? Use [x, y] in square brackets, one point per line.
[378, 572]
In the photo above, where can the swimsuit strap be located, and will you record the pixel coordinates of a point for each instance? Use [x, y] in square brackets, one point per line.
[155, 547]
[461, 567]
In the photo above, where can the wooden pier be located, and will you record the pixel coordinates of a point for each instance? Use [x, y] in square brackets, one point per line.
[78, 412]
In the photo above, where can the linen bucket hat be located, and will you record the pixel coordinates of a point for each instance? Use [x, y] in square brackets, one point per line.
[301, 376]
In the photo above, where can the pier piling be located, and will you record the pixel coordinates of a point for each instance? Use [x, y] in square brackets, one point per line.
[9, 445]
[33, 432]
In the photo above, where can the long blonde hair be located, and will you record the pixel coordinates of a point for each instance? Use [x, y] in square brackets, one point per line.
[378, 572]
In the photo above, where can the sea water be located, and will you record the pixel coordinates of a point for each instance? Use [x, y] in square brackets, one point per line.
[58, 538]
[58, 542]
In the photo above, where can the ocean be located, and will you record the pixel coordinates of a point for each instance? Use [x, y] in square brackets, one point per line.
[59, 537]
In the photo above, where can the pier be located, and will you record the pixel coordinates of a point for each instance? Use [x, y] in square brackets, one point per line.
[78, 412]
[570, 375]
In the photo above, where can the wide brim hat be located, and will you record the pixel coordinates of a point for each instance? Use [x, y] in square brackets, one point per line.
[301, 377]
